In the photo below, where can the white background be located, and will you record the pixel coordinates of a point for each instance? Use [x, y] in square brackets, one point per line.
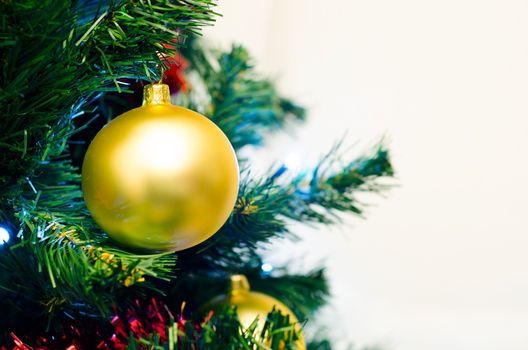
[442, 261]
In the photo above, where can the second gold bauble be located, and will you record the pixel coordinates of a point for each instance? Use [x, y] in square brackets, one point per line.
[160, 177]
[251, 306]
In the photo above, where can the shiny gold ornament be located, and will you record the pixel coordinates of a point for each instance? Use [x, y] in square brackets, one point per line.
[160, 177]
[252, 305]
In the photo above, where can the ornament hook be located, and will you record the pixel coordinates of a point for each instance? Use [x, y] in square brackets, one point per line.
[156, 94]
[239, 285]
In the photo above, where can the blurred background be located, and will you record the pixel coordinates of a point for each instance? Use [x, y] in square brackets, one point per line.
[441, 262]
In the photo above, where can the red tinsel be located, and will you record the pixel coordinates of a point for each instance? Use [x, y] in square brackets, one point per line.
[140, 321]
[174, 74]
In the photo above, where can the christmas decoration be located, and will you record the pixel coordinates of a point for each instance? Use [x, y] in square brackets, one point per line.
[4, 235]
[146, 325]
[251, 306]
[174, 73]
[157, 178]
[160, 177]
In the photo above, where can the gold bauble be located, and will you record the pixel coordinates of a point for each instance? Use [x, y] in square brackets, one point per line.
[160, 177]
[252, 305]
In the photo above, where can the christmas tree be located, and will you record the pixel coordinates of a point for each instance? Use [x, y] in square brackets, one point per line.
[69, 279]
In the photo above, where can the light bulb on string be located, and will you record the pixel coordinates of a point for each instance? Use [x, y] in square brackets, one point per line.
[4, 235]
[292, 161]
[266, 269]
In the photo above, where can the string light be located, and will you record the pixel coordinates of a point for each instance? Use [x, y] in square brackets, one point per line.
[266, 268]
[4, 235]
[292, 161]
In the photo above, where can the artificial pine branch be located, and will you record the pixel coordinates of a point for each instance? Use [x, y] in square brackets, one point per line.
[243, 104]
[264, 206]
[320, 194]
[127, 38]
[303, 293]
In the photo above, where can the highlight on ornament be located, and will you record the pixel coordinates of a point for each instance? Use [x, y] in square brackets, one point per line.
[160, 177]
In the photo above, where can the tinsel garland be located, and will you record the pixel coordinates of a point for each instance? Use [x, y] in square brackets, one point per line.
[142, 323]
